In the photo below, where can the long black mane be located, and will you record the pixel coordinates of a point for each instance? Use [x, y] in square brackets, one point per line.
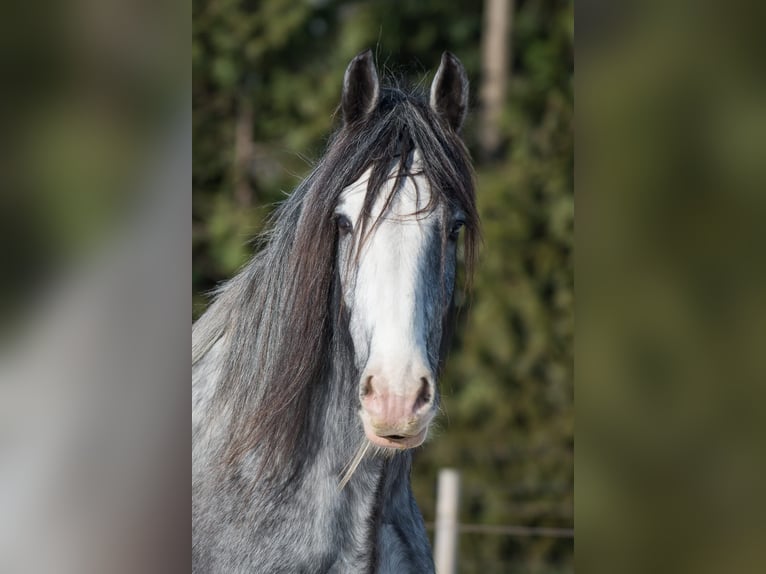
[279, 316]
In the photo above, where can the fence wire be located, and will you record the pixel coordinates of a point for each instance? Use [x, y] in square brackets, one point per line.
[512, 530]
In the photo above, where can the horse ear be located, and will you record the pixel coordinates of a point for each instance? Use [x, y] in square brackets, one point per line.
[360, 87]
[449, 91]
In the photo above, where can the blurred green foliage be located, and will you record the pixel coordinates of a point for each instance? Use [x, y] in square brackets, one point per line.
[87, 96]
[670, 365]
[508, 389]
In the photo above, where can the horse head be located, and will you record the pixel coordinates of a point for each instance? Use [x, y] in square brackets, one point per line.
[397, 255]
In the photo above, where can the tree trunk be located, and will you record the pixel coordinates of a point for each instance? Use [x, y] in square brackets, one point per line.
[495, 71]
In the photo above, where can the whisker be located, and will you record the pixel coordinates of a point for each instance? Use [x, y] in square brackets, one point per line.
[351, 467]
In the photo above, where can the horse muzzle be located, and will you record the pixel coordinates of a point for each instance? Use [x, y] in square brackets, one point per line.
[397, 417]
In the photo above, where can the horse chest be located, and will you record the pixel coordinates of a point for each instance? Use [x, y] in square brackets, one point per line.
[362, 529]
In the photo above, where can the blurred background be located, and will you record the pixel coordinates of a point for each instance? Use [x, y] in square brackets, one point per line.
[266, 83]
[95, 173]
[671, 285]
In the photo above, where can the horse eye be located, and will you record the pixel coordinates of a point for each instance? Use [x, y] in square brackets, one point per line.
[455, 229]
[344, 224]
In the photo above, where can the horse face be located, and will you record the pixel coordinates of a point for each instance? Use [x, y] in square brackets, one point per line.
[397, 284]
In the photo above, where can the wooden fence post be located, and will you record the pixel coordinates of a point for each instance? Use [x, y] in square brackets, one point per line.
[445, 543]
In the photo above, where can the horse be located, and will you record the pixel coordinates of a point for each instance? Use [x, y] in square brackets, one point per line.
[314, 370]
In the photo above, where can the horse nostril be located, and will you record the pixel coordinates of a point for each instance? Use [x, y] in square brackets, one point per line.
[424, 394]
[367, 386]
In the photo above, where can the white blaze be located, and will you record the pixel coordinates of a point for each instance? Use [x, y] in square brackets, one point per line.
[382, 291]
